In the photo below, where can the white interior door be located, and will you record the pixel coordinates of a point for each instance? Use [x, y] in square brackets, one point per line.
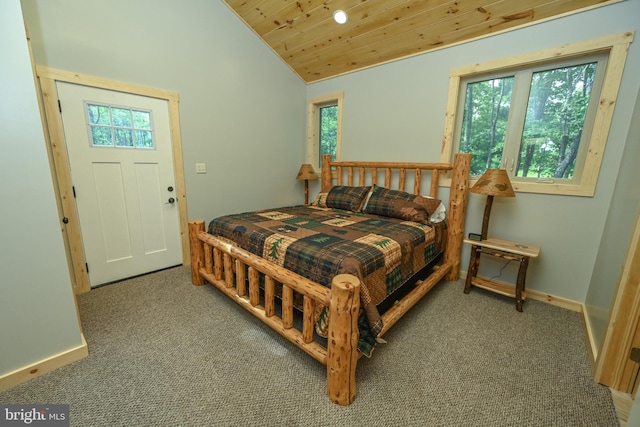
[121, 163]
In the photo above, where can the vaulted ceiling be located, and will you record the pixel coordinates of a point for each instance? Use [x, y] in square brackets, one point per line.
[304, 34]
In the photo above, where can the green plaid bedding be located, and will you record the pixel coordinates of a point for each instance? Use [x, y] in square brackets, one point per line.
[319, 243]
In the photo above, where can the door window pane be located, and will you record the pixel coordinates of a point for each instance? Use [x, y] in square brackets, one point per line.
[101, 136]
[99, 115]
[142, 119]
[143, 139]
[124, 138]
[121, 117]
[121, 127]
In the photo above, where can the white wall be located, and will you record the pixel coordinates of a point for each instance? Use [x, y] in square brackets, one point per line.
[396, 112]
[242, 110]
[634, 415]
[37, 310]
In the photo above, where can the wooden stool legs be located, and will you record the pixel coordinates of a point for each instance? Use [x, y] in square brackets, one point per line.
[522, 274]
[473, 280]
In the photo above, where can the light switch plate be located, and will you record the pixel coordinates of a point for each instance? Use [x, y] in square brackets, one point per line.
[201, 168]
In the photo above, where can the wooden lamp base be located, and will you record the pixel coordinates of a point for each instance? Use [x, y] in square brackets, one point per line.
[485, 218]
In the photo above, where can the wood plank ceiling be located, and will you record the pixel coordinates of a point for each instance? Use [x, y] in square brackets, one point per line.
[304, 34]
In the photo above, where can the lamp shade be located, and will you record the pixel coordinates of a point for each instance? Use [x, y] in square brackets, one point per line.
[306, 173]
[494, 182]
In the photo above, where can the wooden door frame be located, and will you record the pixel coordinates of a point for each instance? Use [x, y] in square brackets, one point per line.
[613, 366]
[59, 159]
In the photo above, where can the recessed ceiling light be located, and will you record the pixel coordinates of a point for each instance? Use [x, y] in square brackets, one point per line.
[340, 16]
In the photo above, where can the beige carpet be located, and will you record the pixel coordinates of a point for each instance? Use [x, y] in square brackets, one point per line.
[166, 353]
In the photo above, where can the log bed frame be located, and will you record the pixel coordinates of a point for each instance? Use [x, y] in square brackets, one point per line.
[227, 267]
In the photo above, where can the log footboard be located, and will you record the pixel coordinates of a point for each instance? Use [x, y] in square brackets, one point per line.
[230, 269]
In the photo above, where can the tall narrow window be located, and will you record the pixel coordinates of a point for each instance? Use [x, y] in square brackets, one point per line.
[328, 126]
[325, 133]
[540, 116]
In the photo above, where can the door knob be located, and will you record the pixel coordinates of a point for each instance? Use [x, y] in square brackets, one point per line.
[171, 201]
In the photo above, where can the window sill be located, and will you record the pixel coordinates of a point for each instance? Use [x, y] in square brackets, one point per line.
[558, 189]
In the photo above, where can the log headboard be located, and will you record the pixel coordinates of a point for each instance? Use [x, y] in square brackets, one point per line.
[397, 175]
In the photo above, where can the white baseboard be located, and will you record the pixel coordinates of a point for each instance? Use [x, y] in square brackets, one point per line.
[44, 366]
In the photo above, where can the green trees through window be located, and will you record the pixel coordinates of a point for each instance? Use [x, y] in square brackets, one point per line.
[530, 122]
[120, 127]
[324, 128]
[328, 130]
[555, 120]
[484, 122]
[543, 116]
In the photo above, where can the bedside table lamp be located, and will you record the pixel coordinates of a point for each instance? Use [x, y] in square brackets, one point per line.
[494, 182]
[306, 174]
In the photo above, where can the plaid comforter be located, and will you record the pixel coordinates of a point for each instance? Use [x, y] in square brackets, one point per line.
[319, 243]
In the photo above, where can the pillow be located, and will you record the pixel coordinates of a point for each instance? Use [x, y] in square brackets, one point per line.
[321, 200]
[440, 213]
[342, 197]
[400, 204]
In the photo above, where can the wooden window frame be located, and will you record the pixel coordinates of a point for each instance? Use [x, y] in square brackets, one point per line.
[313, 130]
[616, 46]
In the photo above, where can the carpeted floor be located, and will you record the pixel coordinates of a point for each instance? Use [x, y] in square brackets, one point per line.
[166, 353]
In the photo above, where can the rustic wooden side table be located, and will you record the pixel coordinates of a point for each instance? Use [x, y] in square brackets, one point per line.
[505, 249]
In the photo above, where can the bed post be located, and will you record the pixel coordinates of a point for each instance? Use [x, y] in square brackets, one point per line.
[326, 180]
[197, 253]
[457, 206]
[342, 341]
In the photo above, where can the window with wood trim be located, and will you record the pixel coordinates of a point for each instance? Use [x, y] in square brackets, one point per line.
[324, 128]
[543, 116]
